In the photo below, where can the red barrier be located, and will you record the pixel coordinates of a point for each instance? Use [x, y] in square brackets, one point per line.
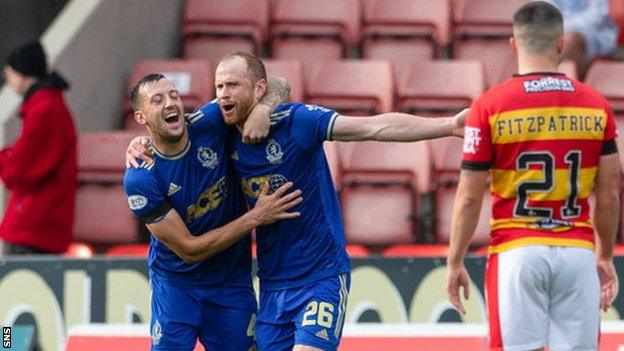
[358, 337]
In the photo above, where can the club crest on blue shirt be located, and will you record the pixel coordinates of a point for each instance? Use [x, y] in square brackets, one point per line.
[274, 152]
[207, 157]
[156, 333]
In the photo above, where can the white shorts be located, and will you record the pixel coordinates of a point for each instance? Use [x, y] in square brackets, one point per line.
[541, 296]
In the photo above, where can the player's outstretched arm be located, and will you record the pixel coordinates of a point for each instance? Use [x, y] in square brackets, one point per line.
[606, 220]
[466, 210]
[172, 230]
[396, 126]
[256, 126]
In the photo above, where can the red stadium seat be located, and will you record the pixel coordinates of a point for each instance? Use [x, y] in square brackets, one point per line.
[485, 17]
[405, 30]
[380, 186]
[381, 214]
[193, 78]
[292, 71]
[497, 56]
[101, 155]
[358, 251]
[102, 213]
[314, 30]
[129, 250]
[371, 160]
[352, 86]
[211, 29]
[103, 216]
[482, 31]
[444, 198]
[79, 250]
[607, 78]
[440, 87]
[446, 157]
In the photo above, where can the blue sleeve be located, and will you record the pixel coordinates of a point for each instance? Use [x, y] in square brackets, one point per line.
[146, 199]
[312, 125]
[208, 119]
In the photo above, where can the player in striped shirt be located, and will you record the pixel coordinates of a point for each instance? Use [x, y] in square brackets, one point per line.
[547, 141]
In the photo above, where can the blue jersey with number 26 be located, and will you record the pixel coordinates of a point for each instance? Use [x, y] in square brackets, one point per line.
[300, 251]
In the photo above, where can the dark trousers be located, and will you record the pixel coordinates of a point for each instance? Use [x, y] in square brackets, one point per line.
[18, 249]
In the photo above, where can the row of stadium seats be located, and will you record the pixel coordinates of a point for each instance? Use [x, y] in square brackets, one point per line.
[398, 30]
[398, 189]
[367, 86]
[394, 177]
[391, 193]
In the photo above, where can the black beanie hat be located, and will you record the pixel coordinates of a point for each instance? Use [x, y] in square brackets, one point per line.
[29, 59]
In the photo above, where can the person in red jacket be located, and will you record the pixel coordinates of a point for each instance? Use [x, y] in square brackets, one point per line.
[39, 169]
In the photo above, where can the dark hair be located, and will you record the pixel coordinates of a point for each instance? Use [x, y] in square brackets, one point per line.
[29, 60]
[255, 66]
[537, 26]
[135, 98]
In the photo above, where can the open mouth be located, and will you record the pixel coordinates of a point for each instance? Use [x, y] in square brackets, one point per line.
[172, 118]
[228, 108]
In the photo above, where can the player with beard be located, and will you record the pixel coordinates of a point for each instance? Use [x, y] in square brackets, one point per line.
[302, 264]
[199, 257]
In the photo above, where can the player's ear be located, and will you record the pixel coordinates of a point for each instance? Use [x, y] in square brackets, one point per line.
[261, 88]
[513, 44]
[560, 43]
[139, 117]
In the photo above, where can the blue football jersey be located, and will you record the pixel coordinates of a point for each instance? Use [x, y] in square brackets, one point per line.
[295, 252]
[199, 185]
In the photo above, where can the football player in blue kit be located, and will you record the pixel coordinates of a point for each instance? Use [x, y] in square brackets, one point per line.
[302, 264]
[199, 258]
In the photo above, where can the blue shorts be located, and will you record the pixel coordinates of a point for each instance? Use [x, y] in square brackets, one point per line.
[221, 317]
[311, 315]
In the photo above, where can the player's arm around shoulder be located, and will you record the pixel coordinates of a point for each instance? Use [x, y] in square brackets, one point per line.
[396, 126]
[256, 127]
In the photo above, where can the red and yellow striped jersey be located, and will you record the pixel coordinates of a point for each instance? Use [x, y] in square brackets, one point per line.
[542, 136]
